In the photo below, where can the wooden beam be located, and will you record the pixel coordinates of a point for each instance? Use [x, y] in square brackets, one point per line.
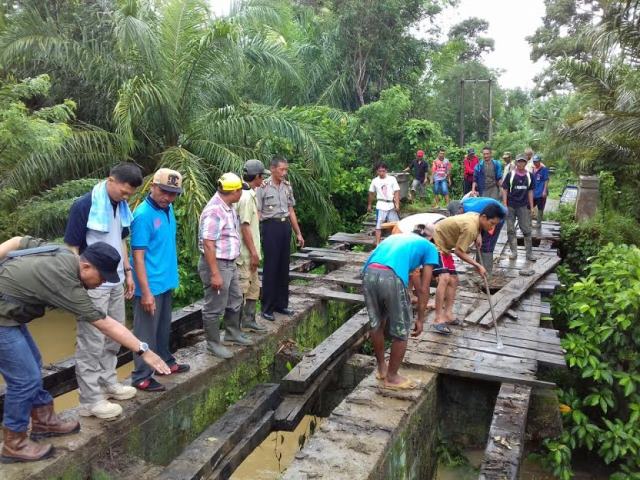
[248, 419]
[327, 294]
[503, 454]
[314, 362]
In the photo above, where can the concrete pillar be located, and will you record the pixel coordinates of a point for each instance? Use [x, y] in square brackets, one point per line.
[588, 196]
[404, 182]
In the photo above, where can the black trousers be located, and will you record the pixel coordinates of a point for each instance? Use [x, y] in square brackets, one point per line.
[276, 243]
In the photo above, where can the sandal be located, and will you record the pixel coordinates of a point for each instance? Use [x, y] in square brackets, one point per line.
[441, 328]
[408, 384]
[455, 321]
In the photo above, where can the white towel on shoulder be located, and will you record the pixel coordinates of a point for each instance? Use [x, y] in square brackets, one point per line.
[101, 210]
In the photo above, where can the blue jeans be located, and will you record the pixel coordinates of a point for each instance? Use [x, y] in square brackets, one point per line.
[20, 363]
[441, 187]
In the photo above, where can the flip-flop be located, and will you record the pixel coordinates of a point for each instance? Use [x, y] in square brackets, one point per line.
[441, 328]
[408, 384]
[379, 377]
[455, 321]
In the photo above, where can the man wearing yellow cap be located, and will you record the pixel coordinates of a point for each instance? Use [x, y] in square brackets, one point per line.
[155, 273]
[219, 243]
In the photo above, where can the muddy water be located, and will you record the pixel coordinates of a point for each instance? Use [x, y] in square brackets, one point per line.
[55, 335]
[272, 457]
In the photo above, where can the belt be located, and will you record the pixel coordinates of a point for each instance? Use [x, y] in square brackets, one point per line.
[388, 201]
[378, 266]
[225, 260]
[274, 219]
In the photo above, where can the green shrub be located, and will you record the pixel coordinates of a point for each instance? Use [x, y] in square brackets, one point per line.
[601, 311]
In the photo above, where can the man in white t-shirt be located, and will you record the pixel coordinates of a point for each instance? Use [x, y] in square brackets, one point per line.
[385, 189]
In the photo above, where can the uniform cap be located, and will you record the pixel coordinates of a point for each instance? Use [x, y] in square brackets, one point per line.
[471, 150]
[536, 158]
[229, 182]
[420, 154]
[254, 167]
[506, 155]
[168, 180]
[106, 260]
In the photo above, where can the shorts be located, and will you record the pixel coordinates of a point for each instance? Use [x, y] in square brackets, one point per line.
[441, 187]
[383, 216]
[387, 302]
[446, 265]
[539, 203]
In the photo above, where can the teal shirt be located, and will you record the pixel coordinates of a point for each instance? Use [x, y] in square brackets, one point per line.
[403, 253]
[154, 231]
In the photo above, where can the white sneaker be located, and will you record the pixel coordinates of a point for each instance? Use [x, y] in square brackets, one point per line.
[102, 409]
[118, 391]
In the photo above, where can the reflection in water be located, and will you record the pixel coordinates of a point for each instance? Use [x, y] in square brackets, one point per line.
[276, 452]
[55, 335]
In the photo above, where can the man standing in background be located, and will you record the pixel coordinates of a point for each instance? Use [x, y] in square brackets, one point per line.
[103, 215]
[470, 162]
[487, 175]
[541, 187]
[441, 177]
[385, 189]
[253, 174]
[508, 164]
[517, 196]
[155, 269]
[278, 217]
[420, 177]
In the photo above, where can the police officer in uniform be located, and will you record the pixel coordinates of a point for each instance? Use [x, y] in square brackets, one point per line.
[277, 218]
[34, 275]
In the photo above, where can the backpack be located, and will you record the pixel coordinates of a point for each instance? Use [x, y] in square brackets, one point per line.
[513, 174]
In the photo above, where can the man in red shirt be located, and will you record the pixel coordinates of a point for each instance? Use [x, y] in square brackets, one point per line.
[470, 162]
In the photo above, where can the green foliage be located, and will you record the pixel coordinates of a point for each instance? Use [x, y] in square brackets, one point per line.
[602, 345]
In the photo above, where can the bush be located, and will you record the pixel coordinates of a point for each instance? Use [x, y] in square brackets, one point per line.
[602, 345]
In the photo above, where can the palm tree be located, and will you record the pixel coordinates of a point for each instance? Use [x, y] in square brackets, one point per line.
[179, 101]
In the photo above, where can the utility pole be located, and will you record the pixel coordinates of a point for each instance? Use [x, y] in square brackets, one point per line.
[475, 81]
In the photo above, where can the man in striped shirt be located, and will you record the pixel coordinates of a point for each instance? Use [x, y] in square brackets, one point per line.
[219, 243]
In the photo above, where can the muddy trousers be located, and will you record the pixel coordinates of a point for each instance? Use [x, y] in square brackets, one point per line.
[97, 354]
[20, 364]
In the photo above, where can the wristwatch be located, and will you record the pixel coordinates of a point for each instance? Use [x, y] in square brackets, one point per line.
[144, 347]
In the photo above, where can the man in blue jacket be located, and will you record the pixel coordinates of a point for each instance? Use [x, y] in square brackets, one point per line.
[487, 175]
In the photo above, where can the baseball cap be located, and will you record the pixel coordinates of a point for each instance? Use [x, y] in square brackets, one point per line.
[471, 150]
[536, 158]
[229, 182]
[420, 153]
[506, 155]
[106, 260]
[521, 158]
[254, 167]
[168, 180]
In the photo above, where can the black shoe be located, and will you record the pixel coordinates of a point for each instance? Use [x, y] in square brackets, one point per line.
[150, 385]
[285, 311]
[268, 316]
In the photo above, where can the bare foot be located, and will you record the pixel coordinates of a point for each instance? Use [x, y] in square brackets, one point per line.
[381, 373]
[431, 306]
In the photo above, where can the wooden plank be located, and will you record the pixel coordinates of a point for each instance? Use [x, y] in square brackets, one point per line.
[208, 451]
[508, 350]
[468, 369]
[505, 447]
[314, 362]
[353, 238]
[510, 293]
[294, 407]
[327, 294]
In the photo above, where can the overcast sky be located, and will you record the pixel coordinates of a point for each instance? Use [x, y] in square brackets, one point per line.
[510, 21]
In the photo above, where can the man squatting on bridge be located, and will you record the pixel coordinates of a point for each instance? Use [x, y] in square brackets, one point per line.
[219, 243]
[459, 233]
[103, 215]
[32, 276]
[385, 284]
